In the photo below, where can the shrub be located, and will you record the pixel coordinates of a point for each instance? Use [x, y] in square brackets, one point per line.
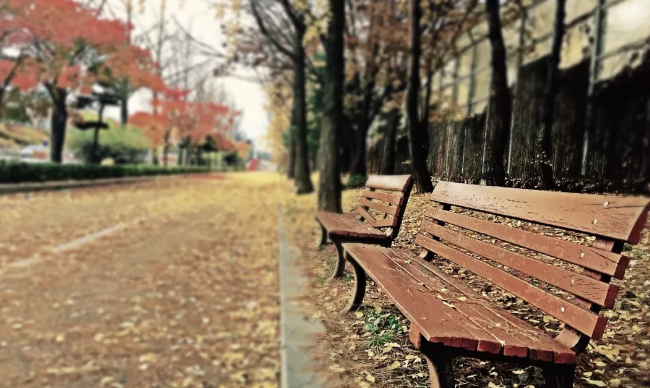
[356, 181]
[123, 145]
[16, 172]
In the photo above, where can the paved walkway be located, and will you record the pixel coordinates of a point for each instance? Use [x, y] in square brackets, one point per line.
[160, 284]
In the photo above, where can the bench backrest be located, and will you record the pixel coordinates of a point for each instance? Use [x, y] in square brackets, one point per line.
[387, 205]
[586, 232]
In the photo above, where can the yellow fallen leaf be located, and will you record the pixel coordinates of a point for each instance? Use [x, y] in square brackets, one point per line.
[359, 314]
[370, 378]
[596, 383]
[394, 365]
[391, 345]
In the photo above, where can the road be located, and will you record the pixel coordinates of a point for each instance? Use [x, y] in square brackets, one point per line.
[162, 284]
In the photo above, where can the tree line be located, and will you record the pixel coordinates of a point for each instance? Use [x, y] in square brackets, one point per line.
[68, 48]
[379, 61]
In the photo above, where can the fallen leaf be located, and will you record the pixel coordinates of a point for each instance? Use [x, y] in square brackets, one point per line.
[394, 365]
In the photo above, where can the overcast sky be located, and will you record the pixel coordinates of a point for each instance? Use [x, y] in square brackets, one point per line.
[199, 18]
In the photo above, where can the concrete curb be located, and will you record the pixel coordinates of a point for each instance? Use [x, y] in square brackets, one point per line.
[7, 189]
[298, 367]
[49, 186]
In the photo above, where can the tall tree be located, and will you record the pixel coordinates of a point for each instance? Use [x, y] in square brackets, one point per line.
[329, 194]
[418, 139]
[64, 37]
[365, 63]
[500, 104]
[544, 141]
[293, 47]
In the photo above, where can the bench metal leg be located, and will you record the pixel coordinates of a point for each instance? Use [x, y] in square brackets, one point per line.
[359, 287]
[340, 261]
[323, 237]
[559, 376]
[441, 372]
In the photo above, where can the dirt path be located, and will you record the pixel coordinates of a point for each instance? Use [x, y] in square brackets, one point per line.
[185, 298]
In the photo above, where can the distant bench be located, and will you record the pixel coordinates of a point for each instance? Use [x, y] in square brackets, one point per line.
[363, 227]
[449, 319]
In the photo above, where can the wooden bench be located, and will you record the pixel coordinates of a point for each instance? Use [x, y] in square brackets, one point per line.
[363, 227]
[450, 319]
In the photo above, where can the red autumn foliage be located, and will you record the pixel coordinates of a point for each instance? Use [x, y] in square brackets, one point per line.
[191, 120]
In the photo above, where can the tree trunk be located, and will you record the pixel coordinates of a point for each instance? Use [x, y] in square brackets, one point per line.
[58, 124]
[95, 158]
[154, 157]
[359, 161]
[365, 120]
[500, 106]
[544, 141]
[9, 77]
[390, 143]
[418, 139]
[124, 111]
[303, 179]
[291, 162]
[346, 142]
[166, 147]
[329, 192]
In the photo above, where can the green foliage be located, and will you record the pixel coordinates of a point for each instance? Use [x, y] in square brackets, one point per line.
[356, 181]
[382, 327]
[17, 172]
[123, 145]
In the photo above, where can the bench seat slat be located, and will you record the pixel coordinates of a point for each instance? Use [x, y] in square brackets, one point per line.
[456, 317]
[610, 216]
[593, 290]
[585, 321]
[605, 262]
[347, 225]
[543, 350]
[390, 198]
[498, 340]
[392, 210]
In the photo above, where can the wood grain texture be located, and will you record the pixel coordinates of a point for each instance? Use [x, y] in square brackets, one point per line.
[616, 217]
[390, 198]
[388, 209]
[384, 222]
[586, 287]
[455, 317]
[367, 217]
[389, 182]
[347, 225]
[599, 260]
[583, 320]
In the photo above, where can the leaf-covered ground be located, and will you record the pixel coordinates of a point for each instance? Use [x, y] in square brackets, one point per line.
[182, 294]
[371, 347]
